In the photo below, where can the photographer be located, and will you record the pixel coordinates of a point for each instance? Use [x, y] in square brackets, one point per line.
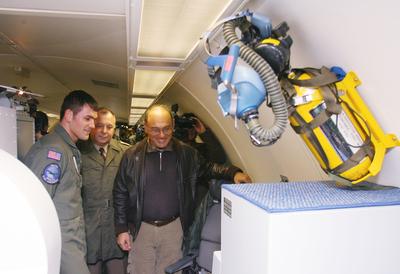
[187, 128]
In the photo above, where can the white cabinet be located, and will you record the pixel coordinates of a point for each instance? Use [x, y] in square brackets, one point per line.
[309, 228]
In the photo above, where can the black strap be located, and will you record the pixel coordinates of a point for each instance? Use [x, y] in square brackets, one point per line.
[309, 133]
[316, 122]
[366, 150]
[324, 80]
[322, 77]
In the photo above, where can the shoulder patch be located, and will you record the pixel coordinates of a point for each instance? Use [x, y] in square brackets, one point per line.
[51, 174]
[54, 155]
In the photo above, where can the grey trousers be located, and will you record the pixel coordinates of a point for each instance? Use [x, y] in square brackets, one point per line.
[155, 248]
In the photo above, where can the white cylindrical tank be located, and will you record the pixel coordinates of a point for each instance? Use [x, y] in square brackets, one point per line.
[30, 234]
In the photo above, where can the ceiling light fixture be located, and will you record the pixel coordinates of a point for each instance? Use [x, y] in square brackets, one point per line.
[165, 37]
[151, 82]
[141, 102]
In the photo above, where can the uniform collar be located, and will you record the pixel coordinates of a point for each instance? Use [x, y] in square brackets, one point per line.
[98, 147]
[60, 130]
[114, 144]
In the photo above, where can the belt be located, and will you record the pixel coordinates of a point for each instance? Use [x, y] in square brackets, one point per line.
[106, 203]
[161, 222]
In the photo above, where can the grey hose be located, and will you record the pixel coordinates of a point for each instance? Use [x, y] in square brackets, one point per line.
[260, 136]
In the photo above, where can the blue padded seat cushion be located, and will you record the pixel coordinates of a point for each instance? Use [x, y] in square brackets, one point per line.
[317, 195]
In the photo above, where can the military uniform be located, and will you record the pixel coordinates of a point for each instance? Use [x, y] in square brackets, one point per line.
[55, 160]
[98, 180]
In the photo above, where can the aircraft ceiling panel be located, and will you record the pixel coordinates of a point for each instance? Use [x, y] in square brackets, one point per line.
[110, 89]
[95, 39]
[13, 59]
[4, 49]
[171, 30]
[88, 6]
[84, 71]
[59, 54]
[15, 70]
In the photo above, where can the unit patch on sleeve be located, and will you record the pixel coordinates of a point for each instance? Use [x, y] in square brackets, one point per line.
[51, 174]
[54, 155]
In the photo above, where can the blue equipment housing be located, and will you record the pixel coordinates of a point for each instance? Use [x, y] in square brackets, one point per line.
[263, 24]
[244, 83]
[237, 77]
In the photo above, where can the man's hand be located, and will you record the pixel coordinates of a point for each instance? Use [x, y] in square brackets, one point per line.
[241, 177]
[199, 126]
[124, 241]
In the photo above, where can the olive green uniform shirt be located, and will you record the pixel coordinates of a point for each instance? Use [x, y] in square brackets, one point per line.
[56, 161]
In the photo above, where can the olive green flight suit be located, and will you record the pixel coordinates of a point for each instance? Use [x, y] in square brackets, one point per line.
[98, 181]
[55, 160]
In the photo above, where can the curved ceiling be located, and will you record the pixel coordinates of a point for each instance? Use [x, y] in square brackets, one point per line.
[120, 51]
[54, 47]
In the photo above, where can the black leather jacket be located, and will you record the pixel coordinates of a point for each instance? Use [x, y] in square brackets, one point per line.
[129, 182]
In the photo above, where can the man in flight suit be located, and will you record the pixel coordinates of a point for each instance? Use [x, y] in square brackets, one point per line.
[101, 156]
[56, 161]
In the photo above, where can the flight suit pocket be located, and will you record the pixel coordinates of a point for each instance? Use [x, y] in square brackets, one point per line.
[73, 233]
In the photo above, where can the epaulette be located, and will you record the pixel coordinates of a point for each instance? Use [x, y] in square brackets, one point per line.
[125, 145]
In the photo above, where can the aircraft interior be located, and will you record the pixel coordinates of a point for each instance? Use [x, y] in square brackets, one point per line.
[132, 54]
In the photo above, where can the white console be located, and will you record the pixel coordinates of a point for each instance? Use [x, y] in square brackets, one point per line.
[30, 234]
[309, 228]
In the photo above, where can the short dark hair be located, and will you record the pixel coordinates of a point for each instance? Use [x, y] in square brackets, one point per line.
[41, 121]
[75, 100]
[189, 115]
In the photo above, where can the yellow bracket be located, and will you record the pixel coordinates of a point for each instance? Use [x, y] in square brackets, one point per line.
[380, 140]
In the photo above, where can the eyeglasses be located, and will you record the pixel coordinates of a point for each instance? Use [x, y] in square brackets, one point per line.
[157, 130]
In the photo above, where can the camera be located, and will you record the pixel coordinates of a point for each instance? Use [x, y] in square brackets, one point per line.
[139, 133]
[183, 123]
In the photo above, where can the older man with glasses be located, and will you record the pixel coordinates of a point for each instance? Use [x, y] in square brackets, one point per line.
[154, 193]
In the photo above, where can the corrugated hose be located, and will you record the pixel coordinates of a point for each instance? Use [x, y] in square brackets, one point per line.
[259, 135]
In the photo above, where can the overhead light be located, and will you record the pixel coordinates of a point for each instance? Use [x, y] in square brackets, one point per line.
[135, 115]
[141, 102]
[171, 30]
[165, 35]
[136, 111]
[133, 120]
[52, 115]
[151, 82]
